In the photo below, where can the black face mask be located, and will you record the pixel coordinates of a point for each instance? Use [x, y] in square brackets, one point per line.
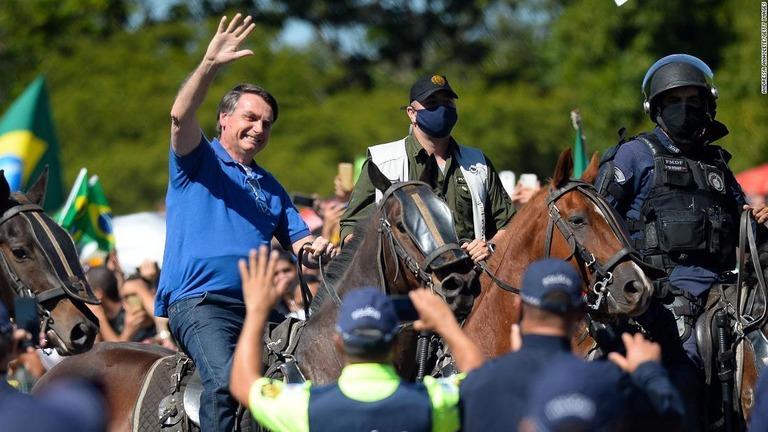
[683, 123]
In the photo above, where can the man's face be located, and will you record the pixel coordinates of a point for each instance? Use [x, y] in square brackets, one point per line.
[246, 130]
[687, 95]
[440, 97]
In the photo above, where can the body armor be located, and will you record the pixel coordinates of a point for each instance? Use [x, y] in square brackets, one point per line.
[686, 218]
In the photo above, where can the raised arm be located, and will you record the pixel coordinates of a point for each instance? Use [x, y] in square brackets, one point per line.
[223, 48]
[260, 296]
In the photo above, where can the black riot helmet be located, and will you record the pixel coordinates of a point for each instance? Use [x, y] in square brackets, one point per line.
[673, 71]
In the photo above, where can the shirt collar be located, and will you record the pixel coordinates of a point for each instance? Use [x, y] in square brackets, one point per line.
[536, 341]
[368, 371]
[225, 157]
[414, 149]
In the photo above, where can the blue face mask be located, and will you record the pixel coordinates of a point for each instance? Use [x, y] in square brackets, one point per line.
[438, 121]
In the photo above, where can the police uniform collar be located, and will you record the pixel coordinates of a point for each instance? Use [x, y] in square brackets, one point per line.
[357, 371]
[666, 141]
[536, 341]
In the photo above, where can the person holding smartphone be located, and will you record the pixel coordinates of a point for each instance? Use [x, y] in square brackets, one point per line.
[466, 179]
[75, 404]
[369, 389]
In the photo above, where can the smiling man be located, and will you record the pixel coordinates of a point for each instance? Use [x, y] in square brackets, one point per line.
[220, 204]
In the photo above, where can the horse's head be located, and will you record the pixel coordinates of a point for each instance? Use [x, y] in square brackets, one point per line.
[593, 236]
[38, 259]
[418, 241]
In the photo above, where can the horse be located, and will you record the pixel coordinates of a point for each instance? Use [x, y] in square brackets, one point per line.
[408, 241]
[38, 260]
[567, 219]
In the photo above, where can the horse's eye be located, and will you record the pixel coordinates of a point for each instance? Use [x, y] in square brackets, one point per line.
[400, 227]
[577, 220]
[20, 253]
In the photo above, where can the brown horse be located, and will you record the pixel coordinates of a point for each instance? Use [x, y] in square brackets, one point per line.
[567, 219]
[407, 242]
[38, 259]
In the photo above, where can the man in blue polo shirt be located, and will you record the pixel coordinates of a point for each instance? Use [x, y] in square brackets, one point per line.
[220, 204]
[369, 394]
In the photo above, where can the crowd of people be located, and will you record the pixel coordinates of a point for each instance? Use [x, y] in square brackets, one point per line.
[220, 284]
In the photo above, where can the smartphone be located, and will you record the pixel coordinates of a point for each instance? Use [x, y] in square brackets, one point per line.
[404, 308]
[507, 180]
[134, 301]
[528, 180]
[303, 200]
[347, 175]
[25, 315]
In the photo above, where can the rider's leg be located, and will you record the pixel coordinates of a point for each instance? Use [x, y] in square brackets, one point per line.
[207, 329]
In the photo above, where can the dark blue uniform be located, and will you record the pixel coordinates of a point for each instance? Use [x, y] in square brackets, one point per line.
[599, 395]
[493, 397]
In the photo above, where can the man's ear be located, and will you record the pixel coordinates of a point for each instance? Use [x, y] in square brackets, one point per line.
[338, 344]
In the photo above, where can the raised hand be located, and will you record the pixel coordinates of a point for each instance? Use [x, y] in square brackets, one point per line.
[259, 290]
[224, 47]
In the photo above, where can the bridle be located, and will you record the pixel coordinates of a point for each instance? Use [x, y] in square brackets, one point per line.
[69, 285]
[422, 231]
[601, 272]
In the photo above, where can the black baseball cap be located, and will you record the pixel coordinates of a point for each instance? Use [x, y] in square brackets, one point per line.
[429, 84]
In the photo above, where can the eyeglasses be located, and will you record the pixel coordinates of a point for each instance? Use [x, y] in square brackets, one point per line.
[253, 182]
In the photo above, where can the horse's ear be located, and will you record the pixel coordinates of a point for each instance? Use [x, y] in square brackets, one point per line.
[5, 188]
[429, 175]
[36, 193]
[379, 180]
[590, 174]
[564, 169]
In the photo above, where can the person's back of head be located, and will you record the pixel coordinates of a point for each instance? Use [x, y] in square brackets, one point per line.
[367, 325]
[573, 395]
[103, 279]
[552, 294]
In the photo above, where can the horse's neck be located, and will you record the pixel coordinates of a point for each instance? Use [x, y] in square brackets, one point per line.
[517, 246]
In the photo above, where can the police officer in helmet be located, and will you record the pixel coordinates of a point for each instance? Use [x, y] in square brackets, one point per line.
[682, 205]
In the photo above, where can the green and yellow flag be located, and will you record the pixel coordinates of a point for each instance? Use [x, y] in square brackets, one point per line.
[87, 215]
[28, 143]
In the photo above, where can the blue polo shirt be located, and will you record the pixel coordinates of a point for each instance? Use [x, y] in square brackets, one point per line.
[215, 215]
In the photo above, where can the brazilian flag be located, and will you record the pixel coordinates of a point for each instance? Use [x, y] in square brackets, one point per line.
[28, 143]
[87, 215]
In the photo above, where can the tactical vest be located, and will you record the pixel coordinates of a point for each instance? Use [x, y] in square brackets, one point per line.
[407, 409]
[685, 219]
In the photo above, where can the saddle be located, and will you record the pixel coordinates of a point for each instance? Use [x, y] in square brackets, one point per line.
[169, 400]
[740, 340]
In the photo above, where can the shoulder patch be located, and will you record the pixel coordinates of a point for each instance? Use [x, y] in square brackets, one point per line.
[716, 181]
[618, 175]
[270, 390]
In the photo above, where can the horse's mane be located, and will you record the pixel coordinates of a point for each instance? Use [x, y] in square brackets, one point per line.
[338, 266]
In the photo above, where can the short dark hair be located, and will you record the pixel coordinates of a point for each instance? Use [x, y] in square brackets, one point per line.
[229, 101]
[104, 279]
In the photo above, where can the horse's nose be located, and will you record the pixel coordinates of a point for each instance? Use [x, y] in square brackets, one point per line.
[635, 293]
[82, 334]
[452, 285]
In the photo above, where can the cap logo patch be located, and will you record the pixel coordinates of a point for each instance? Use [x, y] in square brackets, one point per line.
[556, 279]
[367, 311]
[438, 80]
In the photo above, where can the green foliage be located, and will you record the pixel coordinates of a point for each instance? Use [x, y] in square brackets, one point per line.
[519, 67]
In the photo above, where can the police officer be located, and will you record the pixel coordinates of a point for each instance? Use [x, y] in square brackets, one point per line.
[680, 200]
[576, 395]
[466, 180]
[369, 394]
[493, 396]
